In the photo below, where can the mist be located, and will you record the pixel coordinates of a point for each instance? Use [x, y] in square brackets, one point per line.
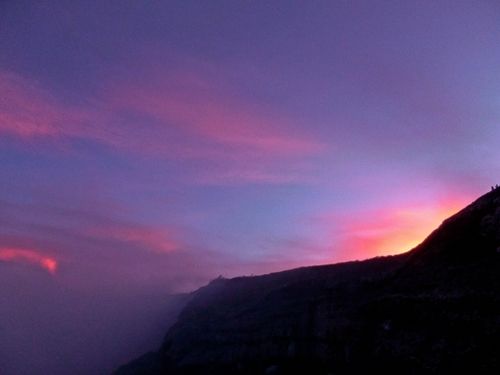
[50, 328]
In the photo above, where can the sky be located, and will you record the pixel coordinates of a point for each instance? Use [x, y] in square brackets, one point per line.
[148, 147]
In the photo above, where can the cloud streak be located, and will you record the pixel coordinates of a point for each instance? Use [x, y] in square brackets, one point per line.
[180, 119]
[50, 264]
[199, 108]
[25, 109]
[96, 245]
[94, 228]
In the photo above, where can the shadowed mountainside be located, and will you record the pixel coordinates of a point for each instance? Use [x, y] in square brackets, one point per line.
[435, 309]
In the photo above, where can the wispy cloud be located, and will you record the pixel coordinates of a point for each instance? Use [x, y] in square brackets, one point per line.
[30, 256]
[181, 119]
[95, 244]
[27, 110]
[90, 228]
[200, 109]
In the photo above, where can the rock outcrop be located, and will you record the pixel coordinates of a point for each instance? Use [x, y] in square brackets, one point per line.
[435, 309]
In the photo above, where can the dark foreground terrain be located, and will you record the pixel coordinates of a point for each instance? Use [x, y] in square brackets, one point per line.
[435, 309]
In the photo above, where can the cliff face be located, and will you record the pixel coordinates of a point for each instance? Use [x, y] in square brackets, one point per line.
[435, 309]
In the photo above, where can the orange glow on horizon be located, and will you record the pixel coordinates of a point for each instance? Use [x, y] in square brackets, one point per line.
[29, 256]
[393, 231]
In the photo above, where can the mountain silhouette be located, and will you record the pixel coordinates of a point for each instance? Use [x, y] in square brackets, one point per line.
[432, 310]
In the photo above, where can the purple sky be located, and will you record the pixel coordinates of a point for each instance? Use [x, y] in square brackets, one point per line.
[160, 144]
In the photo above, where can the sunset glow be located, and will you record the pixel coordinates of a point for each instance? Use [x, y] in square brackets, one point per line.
[392, 231]
[147, 147]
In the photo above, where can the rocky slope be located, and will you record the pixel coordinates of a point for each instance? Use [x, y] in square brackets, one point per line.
[435, 309]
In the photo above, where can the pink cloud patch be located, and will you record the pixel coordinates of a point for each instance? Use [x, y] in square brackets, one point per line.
[48, 263]
[30, 111]
[156, 240]
[178, 119]
[25, 109]
[201, 110]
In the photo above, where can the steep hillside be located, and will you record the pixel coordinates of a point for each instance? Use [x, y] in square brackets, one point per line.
[435, 309]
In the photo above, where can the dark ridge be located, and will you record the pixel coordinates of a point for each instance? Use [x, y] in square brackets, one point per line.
[432, 310]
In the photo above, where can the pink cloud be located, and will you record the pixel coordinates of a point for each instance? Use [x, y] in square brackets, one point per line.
[30, 111]
[25, 109]
[186, 118]
[42, 226]
[198, 108]
[101, 247]
[8, 254]
[161, 241]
